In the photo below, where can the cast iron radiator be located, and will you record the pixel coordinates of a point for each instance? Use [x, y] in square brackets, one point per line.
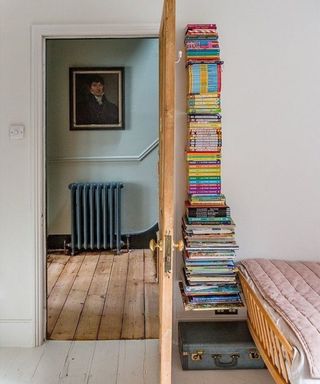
[95, 216]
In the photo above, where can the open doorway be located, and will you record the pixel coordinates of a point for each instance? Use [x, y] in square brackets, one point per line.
[102, 294]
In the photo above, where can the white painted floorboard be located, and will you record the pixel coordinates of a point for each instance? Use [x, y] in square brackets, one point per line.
[107, 362]
[77, 364]
[131, 359]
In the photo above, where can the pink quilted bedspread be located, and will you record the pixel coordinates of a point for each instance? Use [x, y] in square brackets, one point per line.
[292, 288]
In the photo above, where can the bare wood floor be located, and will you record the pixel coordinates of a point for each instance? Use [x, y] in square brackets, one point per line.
[102, 296]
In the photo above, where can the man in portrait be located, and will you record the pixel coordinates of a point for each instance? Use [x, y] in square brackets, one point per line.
[94, 108]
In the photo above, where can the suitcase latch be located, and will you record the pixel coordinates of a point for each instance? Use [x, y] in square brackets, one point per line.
[254, 354]
[197, 356]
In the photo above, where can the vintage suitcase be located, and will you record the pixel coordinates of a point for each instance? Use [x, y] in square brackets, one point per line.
[217, 345]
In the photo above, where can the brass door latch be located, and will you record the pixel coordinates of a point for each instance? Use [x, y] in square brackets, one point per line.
[179, 246]
[169, 247]
[153, 245]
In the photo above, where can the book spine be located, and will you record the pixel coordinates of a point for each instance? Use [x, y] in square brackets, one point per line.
[207, 211]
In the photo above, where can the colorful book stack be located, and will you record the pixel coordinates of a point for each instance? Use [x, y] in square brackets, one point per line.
[209, 273]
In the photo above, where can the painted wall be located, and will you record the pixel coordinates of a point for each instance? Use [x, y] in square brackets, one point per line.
[18, 236]
[270, 101]
[139, 57]
[270, 123]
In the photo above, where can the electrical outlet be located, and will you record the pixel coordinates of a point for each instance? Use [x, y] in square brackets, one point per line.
[16, 131]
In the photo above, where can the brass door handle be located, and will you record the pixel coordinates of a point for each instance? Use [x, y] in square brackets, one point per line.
[153, 245]
[179, 245]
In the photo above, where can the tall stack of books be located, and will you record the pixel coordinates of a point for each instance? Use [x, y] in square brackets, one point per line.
[209, 273]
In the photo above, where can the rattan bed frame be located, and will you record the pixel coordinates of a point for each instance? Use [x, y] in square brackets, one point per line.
[274, 348]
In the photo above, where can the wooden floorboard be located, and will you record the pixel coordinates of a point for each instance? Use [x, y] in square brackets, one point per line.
[50, 257]
[77, 363]
[133, 314]
[54, 270]
[151, 370]
[89, 322]
[111, 320]
[108, 362]
[103, 296]
[61, 291]
[150, 269]
[48, 370]
[151, 311]
[131, 362]
[68, 320]
[104, 368]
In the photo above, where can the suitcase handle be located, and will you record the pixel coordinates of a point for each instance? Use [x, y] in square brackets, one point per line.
[226, 364]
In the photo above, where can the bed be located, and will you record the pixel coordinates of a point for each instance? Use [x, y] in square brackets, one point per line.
[290, 355]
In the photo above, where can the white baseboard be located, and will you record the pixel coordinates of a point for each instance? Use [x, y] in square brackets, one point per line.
[17, 333]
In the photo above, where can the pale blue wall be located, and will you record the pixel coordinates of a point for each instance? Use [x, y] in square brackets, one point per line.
[139, 57]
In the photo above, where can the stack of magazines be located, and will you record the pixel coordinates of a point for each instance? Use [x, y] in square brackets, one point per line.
[209, 273]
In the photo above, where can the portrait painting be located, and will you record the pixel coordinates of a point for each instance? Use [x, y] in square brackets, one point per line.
[96, 98]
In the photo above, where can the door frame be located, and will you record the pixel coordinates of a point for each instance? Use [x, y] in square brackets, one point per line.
[167, 46]
[39, 35]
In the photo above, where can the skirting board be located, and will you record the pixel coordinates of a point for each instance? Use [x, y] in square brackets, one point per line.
[132, 241]
[17, 333]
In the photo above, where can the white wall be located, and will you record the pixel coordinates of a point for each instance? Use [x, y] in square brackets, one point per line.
[271, 133]
[17, 257]
[270, 122]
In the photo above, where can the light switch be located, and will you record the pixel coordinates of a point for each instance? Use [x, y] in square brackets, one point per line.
[16, 131]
